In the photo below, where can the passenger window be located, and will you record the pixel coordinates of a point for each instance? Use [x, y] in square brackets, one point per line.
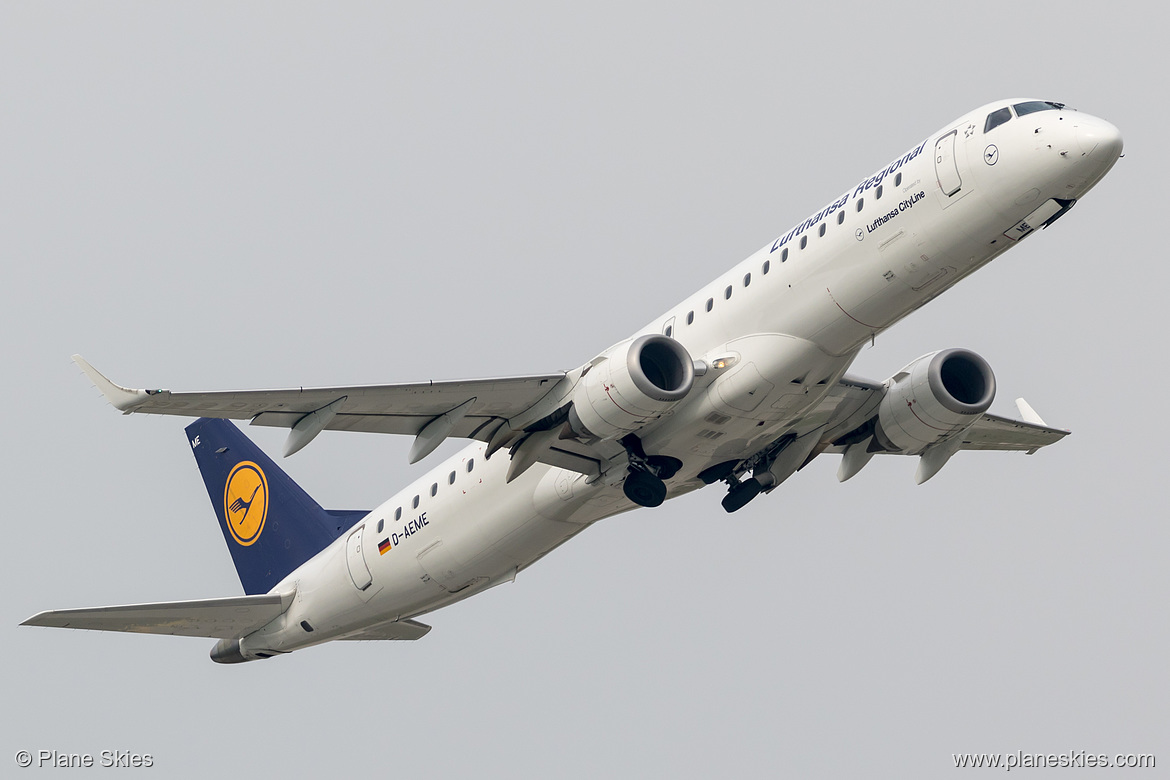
[690, 317]
[710, 303]
[877, 195]
[398, 513]
[727, 292]
[803, 241]
[840, 217]
[747, 280]
[821, 232]
[451, 478]
[767, 266]
[784, 255]
[669, 331]
[470, 465]
[898, 180]
[381, 524]
[996, 118]
[860, 203]
[434, 489]
[414, 503]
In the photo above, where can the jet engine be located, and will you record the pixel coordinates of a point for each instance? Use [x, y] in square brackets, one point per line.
[629, 385]
[933, 398]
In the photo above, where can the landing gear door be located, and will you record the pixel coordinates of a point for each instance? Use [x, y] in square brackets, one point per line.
[946, 167]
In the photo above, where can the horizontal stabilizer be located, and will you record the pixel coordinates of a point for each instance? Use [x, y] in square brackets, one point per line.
[212, 618]
[395, 629]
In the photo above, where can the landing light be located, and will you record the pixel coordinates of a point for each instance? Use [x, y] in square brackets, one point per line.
[724, 362]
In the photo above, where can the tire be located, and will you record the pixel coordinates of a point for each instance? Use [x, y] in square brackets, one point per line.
[739, 496]
[644, 489]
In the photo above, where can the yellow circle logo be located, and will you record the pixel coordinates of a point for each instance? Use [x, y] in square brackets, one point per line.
[245, 502]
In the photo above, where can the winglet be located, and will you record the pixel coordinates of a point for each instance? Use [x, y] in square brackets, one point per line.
[1028, 413]
[122, 398]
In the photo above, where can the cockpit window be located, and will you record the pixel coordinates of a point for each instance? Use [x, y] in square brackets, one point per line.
[997, 118]
[1032, 106]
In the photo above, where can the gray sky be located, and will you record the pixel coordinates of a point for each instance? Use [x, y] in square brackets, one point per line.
[203, 196]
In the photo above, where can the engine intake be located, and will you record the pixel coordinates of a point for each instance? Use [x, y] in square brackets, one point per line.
[629, 385]
[937, 396]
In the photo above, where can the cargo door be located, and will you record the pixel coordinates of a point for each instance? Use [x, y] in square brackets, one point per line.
[442, 568]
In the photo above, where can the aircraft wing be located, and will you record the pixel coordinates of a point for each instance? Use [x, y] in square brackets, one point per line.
[213, 618]
[992, 432]
[474, 408]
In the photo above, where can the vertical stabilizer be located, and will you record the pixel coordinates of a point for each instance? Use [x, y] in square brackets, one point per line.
[270, 524]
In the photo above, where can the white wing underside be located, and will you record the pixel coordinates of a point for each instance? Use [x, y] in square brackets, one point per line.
[400, 408]
[485, 404]
[990, 431]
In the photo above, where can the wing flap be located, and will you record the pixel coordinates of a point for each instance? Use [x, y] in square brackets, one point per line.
[222, 618]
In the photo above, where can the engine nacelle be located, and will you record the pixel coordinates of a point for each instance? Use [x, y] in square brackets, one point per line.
[935, 397]
[629, 385]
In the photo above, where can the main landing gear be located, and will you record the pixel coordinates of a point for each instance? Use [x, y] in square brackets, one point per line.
[740, 491]
[645, 483]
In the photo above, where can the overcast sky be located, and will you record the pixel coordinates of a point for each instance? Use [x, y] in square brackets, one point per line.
[230, 195]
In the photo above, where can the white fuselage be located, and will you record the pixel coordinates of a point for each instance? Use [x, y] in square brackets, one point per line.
[787, 321]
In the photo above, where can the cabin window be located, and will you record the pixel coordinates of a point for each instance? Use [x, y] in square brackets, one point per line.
[877, 194]
[767, 267]
[784, 255]
[668, 331]
[898, 180]
[414, 503]
[860, 203]
[381, 524]
[747, 279]
[821, 232]
[434, 489]
[840, 217]
[470, 465]
[690, 317]
[710, 303]
[727, 293]
[997, 118]
[803, 241]
[451, 478]
[398, 513]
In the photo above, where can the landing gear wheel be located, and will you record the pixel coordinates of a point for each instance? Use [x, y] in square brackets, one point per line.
[739, 496]
[644, 489]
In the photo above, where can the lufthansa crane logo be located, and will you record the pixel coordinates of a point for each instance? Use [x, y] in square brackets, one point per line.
[245, 502]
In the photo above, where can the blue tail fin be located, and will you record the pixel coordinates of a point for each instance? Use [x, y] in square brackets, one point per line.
[270, 524]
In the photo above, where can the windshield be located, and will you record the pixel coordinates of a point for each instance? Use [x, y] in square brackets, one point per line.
[1032, 106]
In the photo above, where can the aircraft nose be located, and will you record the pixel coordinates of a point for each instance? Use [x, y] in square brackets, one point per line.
[1099, 139]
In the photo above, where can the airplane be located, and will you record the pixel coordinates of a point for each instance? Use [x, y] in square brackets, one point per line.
[743, 383]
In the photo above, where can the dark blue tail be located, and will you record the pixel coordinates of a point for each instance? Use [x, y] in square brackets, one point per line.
[270, 524]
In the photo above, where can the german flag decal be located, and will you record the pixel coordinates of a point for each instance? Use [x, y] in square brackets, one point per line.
[384, 547]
